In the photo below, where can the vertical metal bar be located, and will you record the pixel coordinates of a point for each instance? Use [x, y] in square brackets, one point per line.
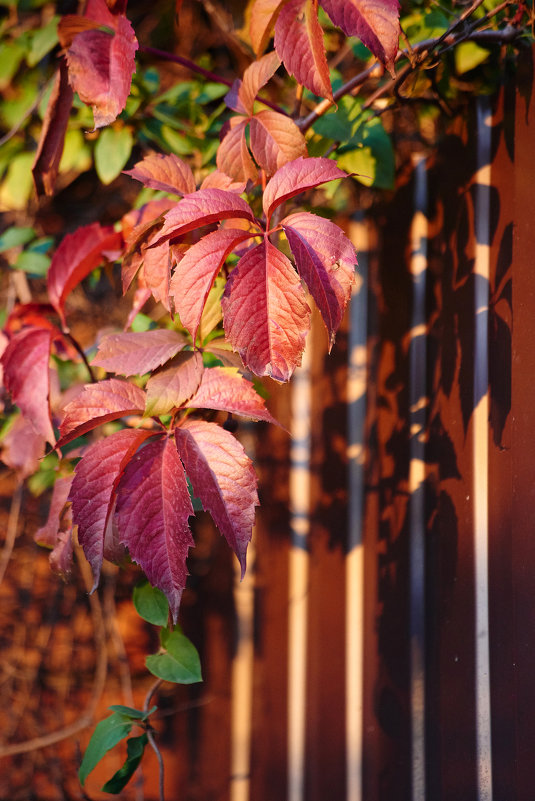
[298, 576]
[480, 449]
[418, 401]
[356, 416]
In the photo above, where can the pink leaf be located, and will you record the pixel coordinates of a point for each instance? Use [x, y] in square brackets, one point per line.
[233, 157]
[375, 22]
[157, 272]
[94, 489]
[297, 177]
[141, 296]
[265, 314]
[101, 64]
[136, 353]
[326, 261]
[255, 77]
[100, 403]
[196, 272]
[153, 508]
[168, 173]
[219, 180]
[48, 534]
[78, 254]
[223, 477]
[275, 140]
[225, 388]
[22, 447]
[263, 16]
[202, 208]
[26, 377]
[60, 559]
[299, 43]
[172, 386]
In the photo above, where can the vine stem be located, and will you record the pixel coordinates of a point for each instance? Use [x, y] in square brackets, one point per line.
[152, 741]
[76, 345]
[211, 76]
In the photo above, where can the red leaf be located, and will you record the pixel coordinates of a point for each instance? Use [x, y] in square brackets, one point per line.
[202, 208]
[60, 559]
[48, 534]
[136, 353]
[299, 43]
[275, 140]
[94, 489]
[50, 147]
[172, 386]
[97, 404]
[233, 157]
[101, 65]
[168, 173]
[326, 261]
[297, 177]
[255, 77]
[157, 272]
[223, 477]
[21, 447]
[375, 22]
[196, 272]
[78, 254]
[265, 314]
[263, 16]
[153, 508]
[26, 377]
[225, 388]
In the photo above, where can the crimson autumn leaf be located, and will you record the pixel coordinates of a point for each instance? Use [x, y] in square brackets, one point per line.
[21, 447]
[172, 386]
[48, 534]
[296, 177]
[326, 261]
[139, 227]
[168, 173]
[375, 22]
[195, 274]
[226, 389]
[153, 507]
[202, 208]
[50, 148]
[97, 404]
[138, 352]
[265, 313]
[78, 254]
[222, 476]
[100, 59]
[26, 376]
[94, 487]
[299, 43]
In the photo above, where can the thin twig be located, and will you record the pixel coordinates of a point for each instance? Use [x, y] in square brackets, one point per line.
[11, 530]
[76, 345]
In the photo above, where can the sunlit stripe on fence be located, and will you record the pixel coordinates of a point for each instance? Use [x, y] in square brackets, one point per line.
[418, 406]
[356, 414]
[298, 576]
[480, 448]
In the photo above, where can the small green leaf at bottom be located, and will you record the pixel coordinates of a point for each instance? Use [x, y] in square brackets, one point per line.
[108, 733]
[135, 746]
[151, 604]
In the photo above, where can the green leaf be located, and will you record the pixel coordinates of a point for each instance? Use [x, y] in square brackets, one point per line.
[33, 262]
[14, 237]
[18, 184]
[107, 733]
[11, 54]
[370, 154]
[468, 56]
[180, 664]
[151, 604]
[43, 40]
[76, 155]
[130, 712]
[112, 151]
[135, 747]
